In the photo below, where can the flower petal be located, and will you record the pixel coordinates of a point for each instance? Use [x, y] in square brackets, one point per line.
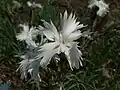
[47, 51]
[103, 7]
[74, 36]
[50, 31]
[27, 35]
[74, 57]
[69, 25]
[92, 3]
[29, 66]
[34, 5]
[23, 34]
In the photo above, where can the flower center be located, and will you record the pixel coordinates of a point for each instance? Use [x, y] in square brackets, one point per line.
[61, 41]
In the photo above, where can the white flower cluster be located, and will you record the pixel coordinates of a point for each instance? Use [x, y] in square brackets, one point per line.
[62, 41]
[103, 7]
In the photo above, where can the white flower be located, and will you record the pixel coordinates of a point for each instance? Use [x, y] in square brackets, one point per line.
[62, 41]
[31, 66]
[34, 5]
[103, 7]
[28, 35]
